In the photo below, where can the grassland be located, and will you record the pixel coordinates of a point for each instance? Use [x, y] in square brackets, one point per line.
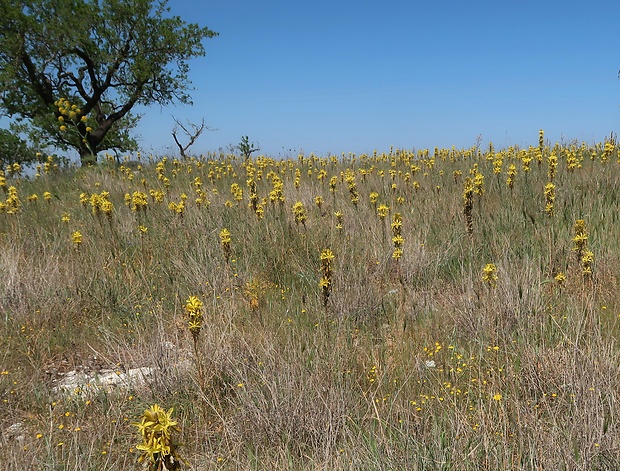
[410, 356]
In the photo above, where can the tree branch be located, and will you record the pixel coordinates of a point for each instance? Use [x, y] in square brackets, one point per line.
[193, 135]
[40, 82]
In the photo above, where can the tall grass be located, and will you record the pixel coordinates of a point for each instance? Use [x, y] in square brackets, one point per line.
[414, 362]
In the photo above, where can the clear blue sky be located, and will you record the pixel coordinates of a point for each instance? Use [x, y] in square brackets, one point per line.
[354, 76]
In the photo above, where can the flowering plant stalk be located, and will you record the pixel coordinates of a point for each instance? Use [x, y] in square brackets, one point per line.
[158, 449]
[327, 256]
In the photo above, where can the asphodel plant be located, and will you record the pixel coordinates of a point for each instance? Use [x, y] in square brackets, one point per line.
[327, 256]
[193, 306]
[159, 450]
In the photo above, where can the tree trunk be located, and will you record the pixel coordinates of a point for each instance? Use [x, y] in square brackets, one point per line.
[87, 157]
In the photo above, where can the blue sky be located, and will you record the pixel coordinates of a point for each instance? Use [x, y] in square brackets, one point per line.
[345, 76]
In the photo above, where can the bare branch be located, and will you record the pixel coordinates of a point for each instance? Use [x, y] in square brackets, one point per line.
[193, 134]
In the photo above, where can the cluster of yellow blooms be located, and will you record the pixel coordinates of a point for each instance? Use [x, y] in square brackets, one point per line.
[99, 203]
[549, 198]
[584, 255]
[373, 196]
[489, 275]
[178, 208]
[318, 200]
[70, 113]
[193, 306]
[76, 238]
[137, 201]
[253, 198]
[276, 195]
[300, 213]
[327, 257]
[478, 180]
[580, 241]
[12, 204]
[349, 178]
[512, 173]
[383, 211]
[156, 427]
[157, 196]
[339, 220]
[468, 204]
[13, 170]
[225, 240]
[552, 162]
[397, 238]
[236, 191]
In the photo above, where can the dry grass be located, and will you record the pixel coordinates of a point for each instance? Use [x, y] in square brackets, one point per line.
[414, 363]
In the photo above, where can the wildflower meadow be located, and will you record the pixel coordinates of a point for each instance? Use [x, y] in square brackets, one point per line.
[449, 309]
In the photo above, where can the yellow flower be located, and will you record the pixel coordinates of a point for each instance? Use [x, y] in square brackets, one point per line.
[300, 213]
[225, 240]
[549, 198]
[156, 427]
[76, 237]
[193, 304]
[398, 240]
[324, 283]
[106, 207]
[225, 237]
[489, 274]
[497, 397]
[383, 211]
[327, 256]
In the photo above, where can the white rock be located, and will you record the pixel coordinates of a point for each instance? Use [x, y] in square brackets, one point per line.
[80, 383]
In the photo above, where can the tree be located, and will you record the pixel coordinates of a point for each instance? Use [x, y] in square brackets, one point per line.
[246, 148]
[71, 71]
[14, 149]
[192, 135]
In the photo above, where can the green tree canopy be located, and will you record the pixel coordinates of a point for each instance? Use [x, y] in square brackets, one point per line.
[13, 149]
[71, 71]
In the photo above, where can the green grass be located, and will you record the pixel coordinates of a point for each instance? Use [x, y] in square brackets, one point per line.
[524, 375]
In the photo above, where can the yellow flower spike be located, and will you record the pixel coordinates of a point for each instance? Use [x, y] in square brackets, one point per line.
[382, 211]
[327, 256]
[489, 275]
[300, 213]
[225, 241]
[155, 428]
[76, 237]
[193, 306]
